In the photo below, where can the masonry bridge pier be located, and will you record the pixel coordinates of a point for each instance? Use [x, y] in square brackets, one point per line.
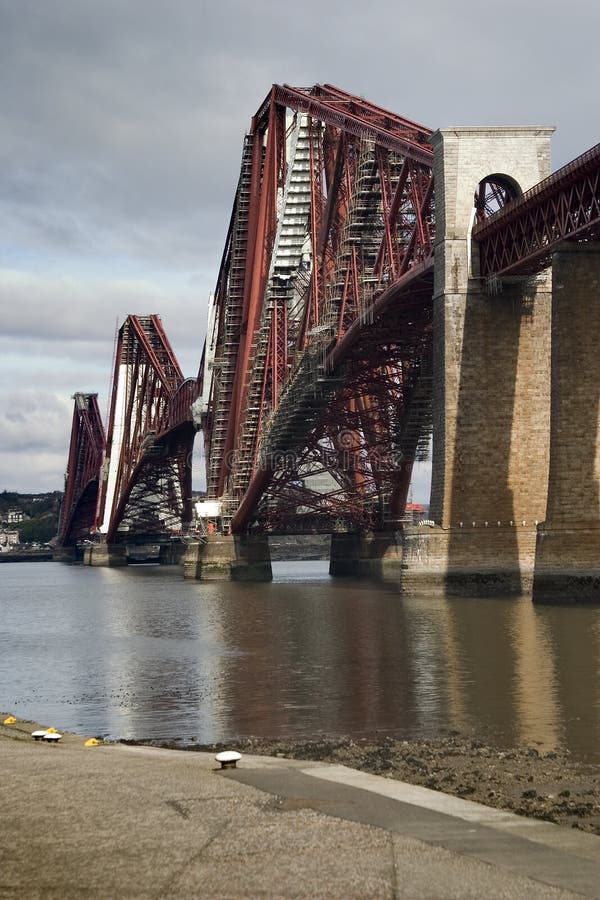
[384, 288]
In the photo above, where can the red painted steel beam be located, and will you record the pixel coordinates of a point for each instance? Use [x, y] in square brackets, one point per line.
[258, 485]
[258, 271]
[352, 123]
[391, 119]
[370, 193]
[142, 462]
[170, 374]
[166, 349]
[408, 291]
[83, 467]
[418, 279]
[157, 428]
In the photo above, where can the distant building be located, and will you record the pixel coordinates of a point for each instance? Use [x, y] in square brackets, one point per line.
[415, 513]
[15, 516]
[8, 540]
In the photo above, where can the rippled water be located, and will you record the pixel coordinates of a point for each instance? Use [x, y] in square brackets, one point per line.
[140, 653]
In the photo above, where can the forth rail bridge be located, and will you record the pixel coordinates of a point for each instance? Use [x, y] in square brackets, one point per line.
[382, 287]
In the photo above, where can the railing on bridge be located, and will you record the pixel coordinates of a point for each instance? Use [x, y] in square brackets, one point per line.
[519, 239]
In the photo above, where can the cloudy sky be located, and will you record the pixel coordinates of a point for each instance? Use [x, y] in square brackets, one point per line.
[121, 124]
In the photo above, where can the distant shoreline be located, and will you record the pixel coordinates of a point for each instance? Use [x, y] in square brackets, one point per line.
[27, 556]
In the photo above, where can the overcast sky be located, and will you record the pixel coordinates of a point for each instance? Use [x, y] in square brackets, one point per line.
[121, 124]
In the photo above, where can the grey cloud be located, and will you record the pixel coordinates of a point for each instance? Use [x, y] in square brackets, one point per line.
[76, 309]
[32, 470]
[123, 122]
[34, 420]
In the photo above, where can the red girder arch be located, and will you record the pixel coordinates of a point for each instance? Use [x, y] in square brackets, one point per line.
[146, 474]
[367, 421]
[86, 448]
[368, 227]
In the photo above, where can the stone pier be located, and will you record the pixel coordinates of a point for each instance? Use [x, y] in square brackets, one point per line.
[232, 557]
[469, 561]
[371, 554]
[491, 375]
[64, 554]
[462, 561]
[568, 550]
[344, 555]
[102, 554]
[172, 554]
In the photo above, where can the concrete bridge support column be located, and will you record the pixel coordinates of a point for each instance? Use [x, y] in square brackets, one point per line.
[171, 554]
[568, 551]
[344, 555]
[231, 557]
[102, 554]
[371, 554]
[64, 554]
[491, 378]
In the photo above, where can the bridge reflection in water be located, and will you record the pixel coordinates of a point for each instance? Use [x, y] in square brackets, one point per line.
[138, 653]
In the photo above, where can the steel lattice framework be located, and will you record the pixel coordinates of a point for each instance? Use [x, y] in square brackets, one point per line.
[146, 475]
[520, 238]
[86, 450]
[316, 374]
[319, 356]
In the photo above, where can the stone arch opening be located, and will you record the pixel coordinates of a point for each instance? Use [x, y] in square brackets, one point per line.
[493, 192]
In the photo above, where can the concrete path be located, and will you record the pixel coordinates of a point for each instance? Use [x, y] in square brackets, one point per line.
[118, 821]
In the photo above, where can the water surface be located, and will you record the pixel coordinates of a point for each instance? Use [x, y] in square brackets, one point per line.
[140, 653]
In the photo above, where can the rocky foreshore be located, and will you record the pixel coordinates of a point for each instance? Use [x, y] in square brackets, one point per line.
[528, 782]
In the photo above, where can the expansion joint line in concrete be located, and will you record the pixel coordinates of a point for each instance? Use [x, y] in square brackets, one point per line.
[541, 851]
[169, 888]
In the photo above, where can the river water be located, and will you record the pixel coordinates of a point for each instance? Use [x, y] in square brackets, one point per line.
[140, 653]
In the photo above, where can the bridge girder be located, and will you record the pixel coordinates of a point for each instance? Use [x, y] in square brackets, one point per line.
[519, 238]
[86, 448]
[334, 207]
[146, 474]
[319, 352]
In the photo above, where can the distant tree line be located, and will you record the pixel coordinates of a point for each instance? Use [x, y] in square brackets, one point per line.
[41, 512]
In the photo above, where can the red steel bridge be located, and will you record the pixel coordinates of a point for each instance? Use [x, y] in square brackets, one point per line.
[315, 390]
[134, 485]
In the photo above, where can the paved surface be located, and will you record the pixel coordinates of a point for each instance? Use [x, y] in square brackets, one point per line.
[117, 821]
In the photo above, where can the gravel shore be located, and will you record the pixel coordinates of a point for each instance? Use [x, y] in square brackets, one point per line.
[525, 781]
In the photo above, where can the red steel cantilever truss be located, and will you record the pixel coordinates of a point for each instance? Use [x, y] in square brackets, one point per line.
[146, 474]
[78, 509]
[330, 237]
[520, 238]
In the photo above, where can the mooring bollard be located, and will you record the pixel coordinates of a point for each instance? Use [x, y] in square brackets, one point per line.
[228, 758]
